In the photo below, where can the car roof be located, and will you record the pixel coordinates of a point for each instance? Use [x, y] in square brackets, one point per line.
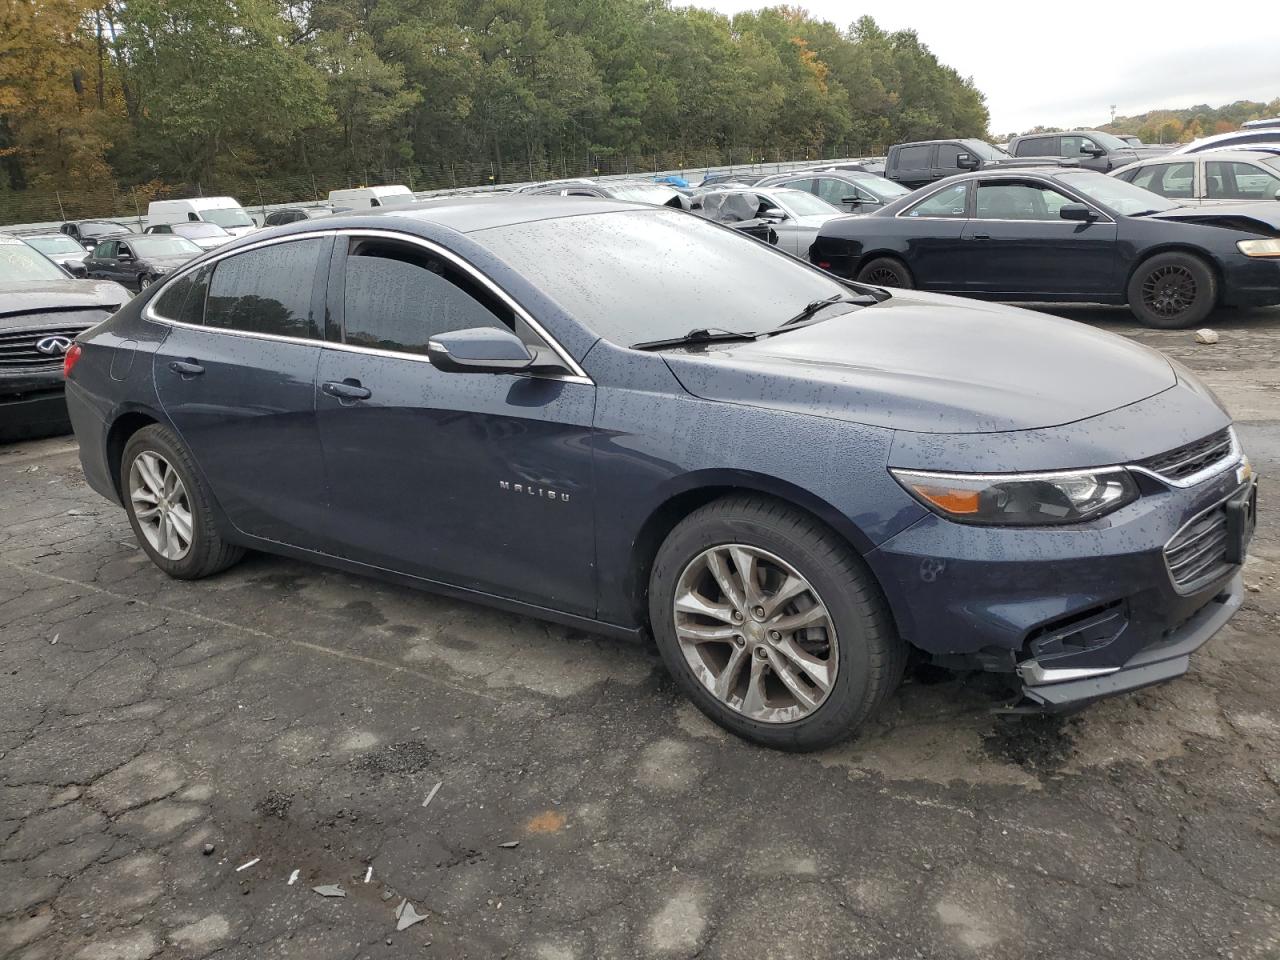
[468, 213]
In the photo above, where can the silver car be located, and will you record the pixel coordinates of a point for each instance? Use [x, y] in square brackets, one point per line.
[1216, 176]
[794, 215]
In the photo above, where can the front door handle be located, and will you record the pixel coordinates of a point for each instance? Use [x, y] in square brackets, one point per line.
[348, 389]
[188, 367]
[982, 236]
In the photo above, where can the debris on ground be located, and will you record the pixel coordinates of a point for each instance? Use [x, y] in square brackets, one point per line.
[329, 890]
[208, 849]
[510, 844]
[293, 878]
[246, 866]
[368, 874]
[1205, 335]
[275, 804]
[432, 795]
[406, 916]
[1033, 742]
[409, 756]
[55, 638]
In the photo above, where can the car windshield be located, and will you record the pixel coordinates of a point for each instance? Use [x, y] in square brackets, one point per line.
[984, 150]
[95, 228]
[1123, 198]
[642, 193]
[1107, 140]
[55, 245]
[20, 263]
[199, 230]
[806, 204]
[227, 217]
[158, 245]
[639, 276]
[879, 185]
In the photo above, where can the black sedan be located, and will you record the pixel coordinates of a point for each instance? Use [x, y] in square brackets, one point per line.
[139, 261]
[1067, 236]
[88, 233]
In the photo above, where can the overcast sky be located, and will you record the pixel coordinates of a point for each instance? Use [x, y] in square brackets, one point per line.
[1063, 65]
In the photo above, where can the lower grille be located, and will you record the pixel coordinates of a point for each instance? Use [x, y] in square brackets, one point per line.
[18, 352]
[1198, 552]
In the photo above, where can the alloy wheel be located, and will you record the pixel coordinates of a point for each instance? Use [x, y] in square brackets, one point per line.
[884, 277]
[1169, 290]
[755, 633]
[143, 283]
[160, 504]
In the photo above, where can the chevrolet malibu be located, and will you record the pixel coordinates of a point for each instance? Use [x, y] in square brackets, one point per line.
[638, 422]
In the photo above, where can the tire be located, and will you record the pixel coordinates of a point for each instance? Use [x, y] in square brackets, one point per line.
[865, 653]
[206, 552]
[143, 282]
[1171, 291]
[886, 272]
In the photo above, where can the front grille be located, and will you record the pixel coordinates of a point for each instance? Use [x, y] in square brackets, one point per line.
[1198, 552]
[18, 353]
[1190, 458]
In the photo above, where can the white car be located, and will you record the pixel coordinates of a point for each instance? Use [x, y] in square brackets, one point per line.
[226, 212]
[794, 215]
[1236, 140]
[206, 236]
[1216, 176]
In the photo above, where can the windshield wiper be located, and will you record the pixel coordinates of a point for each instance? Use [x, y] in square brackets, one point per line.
[814, 306]
[698, 335]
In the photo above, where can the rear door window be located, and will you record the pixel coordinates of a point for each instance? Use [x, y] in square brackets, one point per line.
[398, 296]
[914, 158]
[1038, 147]
[948, 202]
[268, 290]
[1236, 180]
[1174, 180]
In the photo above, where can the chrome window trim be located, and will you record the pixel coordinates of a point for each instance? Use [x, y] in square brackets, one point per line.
[576, 375]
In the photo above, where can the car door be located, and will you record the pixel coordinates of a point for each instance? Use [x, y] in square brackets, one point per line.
[1082, 148]
[124, 265]
[236, 378]
[914, 166]
[933, 233]
[98, 264]
[479, 480]
[841, 194]
[1020, 246]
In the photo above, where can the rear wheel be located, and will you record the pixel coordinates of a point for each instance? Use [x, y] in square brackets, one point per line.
[170, 508]
[886, 272]
[771, 625]
[1172, 290]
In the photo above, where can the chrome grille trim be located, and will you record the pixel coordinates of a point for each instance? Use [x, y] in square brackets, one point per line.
[1196, 555]
[1223, 447]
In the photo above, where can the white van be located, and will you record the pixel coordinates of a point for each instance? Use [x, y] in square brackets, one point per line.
[362, 198]
[226, 212]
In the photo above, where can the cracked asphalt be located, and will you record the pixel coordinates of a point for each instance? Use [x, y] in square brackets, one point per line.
[296, 719]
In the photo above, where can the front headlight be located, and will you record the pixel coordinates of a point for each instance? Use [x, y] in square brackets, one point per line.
[1259, 248]
[1021, 499]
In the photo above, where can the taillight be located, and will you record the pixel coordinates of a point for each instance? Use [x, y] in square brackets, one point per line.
[69, 359]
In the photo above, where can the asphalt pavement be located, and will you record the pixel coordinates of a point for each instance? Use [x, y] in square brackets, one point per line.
[181, 764]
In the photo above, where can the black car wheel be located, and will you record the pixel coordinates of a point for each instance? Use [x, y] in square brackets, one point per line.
[1172, 290]
[144, 281]
[886, 272]
[170, 507]
[771, 624]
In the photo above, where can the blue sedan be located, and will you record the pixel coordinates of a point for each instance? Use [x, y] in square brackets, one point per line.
[640, 423]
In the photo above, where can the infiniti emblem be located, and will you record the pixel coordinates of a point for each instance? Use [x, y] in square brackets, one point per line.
[53, 345]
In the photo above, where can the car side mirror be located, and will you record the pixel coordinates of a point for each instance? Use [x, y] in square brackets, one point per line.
[851, 201]
[78, 270]
[772, 213]
[966, 161]
[480, 350]
[124, 257]
[1094, 151]
[88, 245]
[1077, 211]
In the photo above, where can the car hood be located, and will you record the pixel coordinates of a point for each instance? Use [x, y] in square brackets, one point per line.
[931, 364]
[1262, 217]
[22, 298]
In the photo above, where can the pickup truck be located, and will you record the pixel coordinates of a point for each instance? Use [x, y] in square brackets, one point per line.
[926, 161]
[1093, 149]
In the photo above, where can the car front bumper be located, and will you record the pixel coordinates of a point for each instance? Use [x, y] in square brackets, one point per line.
[1250, 281]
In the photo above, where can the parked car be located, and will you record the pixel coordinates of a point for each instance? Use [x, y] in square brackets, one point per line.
[1237, 140]
[61, 249]
[637, 191]
[849, 191]
[789, 480]
[226, 212]
[365, 198]
[206, 236]
[87, 233]
[1093, 149]
[42, 310]
[793, 215]
[720, 179]
[1215, 176]
[1061, 235]
[1266, 122]
[870, 165]
[138, 262]
[278, 218]
[915, 165]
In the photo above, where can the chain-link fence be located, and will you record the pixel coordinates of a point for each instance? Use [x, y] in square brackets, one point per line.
[31, 207]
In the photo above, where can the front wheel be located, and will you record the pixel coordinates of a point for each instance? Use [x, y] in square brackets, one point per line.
[144, 282]
[886, 272]
[1171, 291]
[771, 624]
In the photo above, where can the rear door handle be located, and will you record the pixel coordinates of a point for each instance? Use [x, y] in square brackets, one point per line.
[188, 367]
[348, 389]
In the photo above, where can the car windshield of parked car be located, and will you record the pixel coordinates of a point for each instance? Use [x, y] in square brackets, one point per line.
[803, 204]
[1107, 141]
[1123, 198]
[199, 230]
[984, 150]
[641, 276]
[96, 228]
[886, 189]
[55, 245]
[20, 263]
[643, 193]
[158, 245]
[227, 217]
